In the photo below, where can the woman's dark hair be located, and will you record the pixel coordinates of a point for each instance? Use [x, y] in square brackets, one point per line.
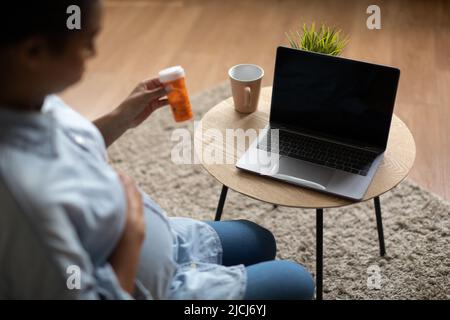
[21, 19]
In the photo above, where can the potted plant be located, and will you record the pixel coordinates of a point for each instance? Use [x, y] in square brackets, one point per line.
[326, 40]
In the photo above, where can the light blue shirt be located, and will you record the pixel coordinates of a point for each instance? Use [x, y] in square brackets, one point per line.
[62, 205]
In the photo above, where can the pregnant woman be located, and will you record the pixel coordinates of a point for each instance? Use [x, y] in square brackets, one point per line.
[73, 228]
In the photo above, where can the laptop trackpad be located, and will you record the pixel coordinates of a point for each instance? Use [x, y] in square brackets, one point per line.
[304, 173]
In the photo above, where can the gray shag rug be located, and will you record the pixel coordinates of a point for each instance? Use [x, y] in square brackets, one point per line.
[416, 222]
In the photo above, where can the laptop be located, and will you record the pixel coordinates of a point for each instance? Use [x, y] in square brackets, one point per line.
[329, 123]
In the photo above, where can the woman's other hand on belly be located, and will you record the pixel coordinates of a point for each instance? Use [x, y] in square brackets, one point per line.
[125, 257]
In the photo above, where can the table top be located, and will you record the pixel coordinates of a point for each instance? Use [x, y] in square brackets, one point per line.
[398, 159]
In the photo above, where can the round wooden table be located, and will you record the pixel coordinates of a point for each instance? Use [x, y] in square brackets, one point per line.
[398, 161]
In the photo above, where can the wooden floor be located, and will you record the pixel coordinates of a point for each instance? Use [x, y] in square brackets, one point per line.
[208, 36]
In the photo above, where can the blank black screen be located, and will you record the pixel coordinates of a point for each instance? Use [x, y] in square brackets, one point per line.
[342, 99]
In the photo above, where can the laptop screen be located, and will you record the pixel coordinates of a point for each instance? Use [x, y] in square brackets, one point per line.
[337, 98]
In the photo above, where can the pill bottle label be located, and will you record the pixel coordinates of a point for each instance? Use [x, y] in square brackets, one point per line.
[179, 100]
[178, 97]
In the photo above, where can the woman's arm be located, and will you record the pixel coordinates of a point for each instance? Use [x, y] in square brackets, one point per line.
[42, 256]
[145, 98]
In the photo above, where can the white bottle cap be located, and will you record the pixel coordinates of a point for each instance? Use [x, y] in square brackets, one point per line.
[171, 74]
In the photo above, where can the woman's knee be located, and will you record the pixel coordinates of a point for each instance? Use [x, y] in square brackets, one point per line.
[303, 284]
[279, 279]
[265, 239]
[244, 242]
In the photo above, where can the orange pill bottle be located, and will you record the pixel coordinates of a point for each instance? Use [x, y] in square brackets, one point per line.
[178, 97]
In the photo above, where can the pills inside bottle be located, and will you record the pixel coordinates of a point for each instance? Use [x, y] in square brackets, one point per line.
[178, 97]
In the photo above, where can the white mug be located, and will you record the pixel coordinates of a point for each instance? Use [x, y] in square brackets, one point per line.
[246, 86]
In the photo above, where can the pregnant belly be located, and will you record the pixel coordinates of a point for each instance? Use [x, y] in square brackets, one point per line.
[156, 265]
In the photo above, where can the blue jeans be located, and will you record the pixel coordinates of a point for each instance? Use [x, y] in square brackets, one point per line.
[245, 242]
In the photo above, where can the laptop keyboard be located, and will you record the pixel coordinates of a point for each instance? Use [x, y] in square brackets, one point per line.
[321, 152]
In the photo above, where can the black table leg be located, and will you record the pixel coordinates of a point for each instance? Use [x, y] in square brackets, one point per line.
[319, 236]
[223, 196]
[319, 253]
[376, 201]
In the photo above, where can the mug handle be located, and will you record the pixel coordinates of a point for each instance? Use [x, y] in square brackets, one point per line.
[248, 97]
